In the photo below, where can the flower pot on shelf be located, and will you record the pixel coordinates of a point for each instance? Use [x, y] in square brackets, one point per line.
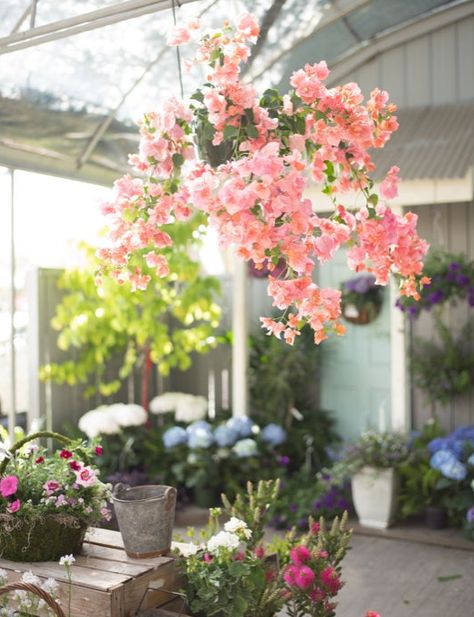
[375, 496]
[435, 517]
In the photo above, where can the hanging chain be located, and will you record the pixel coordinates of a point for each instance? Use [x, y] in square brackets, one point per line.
[178, 54]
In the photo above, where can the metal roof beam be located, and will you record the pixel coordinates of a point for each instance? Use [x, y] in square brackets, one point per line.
[83, 23]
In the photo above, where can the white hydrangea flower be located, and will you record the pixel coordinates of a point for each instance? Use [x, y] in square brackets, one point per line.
[99, 421]
[190, 408]
[128, 415]
[236, 525]
[188, 549]
[223, 539]
[165, 403]
[109, 420]
[29, 577]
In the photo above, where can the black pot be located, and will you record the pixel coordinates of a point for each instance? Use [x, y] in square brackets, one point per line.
[436, 517]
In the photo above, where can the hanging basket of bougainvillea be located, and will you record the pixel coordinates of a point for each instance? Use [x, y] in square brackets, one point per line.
[361, 299]
[245, 160]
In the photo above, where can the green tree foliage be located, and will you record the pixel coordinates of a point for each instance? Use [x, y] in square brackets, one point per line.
[174, 317]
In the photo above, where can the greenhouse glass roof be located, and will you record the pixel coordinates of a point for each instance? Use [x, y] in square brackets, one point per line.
[76, 74]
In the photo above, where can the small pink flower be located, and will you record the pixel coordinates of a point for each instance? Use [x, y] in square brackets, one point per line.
[39, 460]
[60, 501]
[207, 557]
[8, 486]
[65, 454]
[289, 576]
[300, 555]
[260, 552]
[51, 486]
[372, 614]
[14, 506]
[75, 466]
[331, 580]
[98, 450]
[106, 514]
[304, 577]
[86, 477]
[239, 556]
[315, 527]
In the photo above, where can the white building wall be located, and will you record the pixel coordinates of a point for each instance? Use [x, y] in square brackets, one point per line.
[431, 69]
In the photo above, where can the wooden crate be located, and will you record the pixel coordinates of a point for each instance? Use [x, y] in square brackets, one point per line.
[105, 581]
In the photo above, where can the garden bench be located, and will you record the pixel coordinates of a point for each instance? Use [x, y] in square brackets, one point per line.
[105, 581]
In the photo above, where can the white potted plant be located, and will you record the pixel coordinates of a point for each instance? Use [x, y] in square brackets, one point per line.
[375, 480]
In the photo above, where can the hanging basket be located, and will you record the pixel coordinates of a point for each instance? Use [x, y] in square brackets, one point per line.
[363, 315]
[37, 591]
[208, 152]
[44, 537]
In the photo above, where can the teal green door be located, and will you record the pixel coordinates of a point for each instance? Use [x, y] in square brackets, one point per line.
[355, 376]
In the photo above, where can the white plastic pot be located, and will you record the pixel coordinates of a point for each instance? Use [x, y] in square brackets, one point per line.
[375, 496]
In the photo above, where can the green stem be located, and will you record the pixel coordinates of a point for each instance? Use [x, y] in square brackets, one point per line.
[39, 435]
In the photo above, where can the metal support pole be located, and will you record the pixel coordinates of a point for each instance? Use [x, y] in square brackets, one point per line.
[239, 339]
[12, 407]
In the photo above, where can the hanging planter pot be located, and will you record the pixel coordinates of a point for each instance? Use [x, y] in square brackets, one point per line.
[215, 155]
[361, 299]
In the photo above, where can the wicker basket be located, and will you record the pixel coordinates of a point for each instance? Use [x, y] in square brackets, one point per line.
[50, 601]
[44, 538]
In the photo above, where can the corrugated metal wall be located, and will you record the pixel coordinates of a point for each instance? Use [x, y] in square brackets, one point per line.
[434, 69]
[450, 227]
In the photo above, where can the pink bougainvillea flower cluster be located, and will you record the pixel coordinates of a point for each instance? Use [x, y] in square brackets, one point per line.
[255, 194]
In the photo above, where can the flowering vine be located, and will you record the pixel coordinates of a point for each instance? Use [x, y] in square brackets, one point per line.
[255, 159]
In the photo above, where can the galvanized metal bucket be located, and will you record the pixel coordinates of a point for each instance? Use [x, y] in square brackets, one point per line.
[145, 516]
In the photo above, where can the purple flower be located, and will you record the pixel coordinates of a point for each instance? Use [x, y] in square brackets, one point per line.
[293, 507]
[470, 515]
[360, 284]
[462, 280]
[283, 460]
[436, 297]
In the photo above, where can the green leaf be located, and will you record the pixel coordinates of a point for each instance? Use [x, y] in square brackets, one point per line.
[252, 131]
[178, 159]
[450, 577]
[230, 132]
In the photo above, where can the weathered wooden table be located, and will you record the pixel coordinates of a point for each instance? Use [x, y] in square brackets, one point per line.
[105, 581]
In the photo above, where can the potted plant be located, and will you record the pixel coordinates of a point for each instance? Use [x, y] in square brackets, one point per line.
[47, 500]
[361, 299]
[373, 463]
[453, 458]
[252, 191]
[233, 572]
[418, 492]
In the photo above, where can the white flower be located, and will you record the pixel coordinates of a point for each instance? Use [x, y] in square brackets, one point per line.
[164, 403]
[50, 585]
[236, 525]
[128, 415]
[187, 549]
[99, 421]
[29, 577]
[109, 420]
[223, 539]
[3, 576]
[67, 560]
[190, 408]
[187, 407]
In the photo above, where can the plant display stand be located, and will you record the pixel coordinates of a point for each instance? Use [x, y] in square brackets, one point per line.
[105, 581]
